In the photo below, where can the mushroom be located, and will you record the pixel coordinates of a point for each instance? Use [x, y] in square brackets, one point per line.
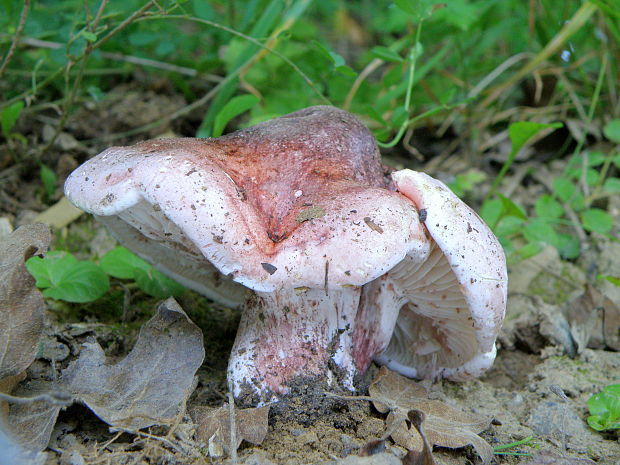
[335, 261]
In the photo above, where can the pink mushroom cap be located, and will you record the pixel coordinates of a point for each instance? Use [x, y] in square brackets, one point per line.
[344, 264]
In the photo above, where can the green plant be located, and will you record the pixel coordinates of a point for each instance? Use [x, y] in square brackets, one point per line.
[49, 180]
[64, 277]
[120, 263]
[502, 449]
[564, 216]
[8, 118]
[605, 409]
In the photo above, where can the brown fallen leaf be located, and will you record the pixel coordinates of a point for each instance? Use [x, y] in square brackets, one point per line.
[152, 383]
[12, 453]
[214, 426]
[30, 422]
[26, 423]
[21, 304]
[444, 425]
[373, 447]
[425, 456]
[593, 316]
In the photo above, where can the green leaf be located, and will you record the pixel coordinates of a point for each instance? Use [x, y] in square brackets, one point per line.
[235, 106]
[511, 208]
[522, 131]
[612, 130]
[418, 9]
[48, 179]
[509, 226]
[564, 189]
[346, 71]
[327, 53]
[519, 133]
[9, 116]
[597, 220]
[592, 159]
[65, 278]
[386, 54]
[142, 38]
[120, 263]
[460, 13]
[605, 409]
[568, 246]
[612, 279]
[612, 185]
[547, 206]
[96, 93]
[466, 182]
[156, 284]
[529, 250]
[89, 36]
[491, 211]
[337, 60]
[42, 268]
[540, 230]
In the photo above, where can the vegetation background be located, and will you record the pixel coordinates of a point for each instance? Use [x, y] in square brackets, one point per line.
[432, 80]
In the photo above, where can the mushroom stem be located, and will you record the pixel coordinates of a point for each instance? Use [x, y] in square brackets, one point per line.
[293, 335]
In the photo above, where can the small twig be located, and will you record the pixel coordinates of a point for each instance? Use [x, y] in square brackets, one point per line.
[233, 421]
[124, 24]
[361, 77]
[489, 78]
[107, 443]
[18, 31]
[410, 148]
[134, 60]
[54, 398]
[558, 391]
[164, 440]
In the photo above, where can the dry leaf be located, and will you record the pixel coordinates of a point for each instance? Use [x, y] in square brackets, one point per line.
[13, 454]
[214, 425]
[425, 456]
[152, 383]
[376, 446]
[593, 314]
[21, 303]
[445, 426]
[31, 423]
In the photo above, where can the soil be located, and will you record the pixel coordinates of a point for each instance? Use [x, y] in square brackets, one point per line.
[534, 388]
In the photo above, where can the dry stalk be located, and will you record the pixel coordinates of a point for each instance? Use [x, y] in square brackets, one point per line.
[18, 31]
